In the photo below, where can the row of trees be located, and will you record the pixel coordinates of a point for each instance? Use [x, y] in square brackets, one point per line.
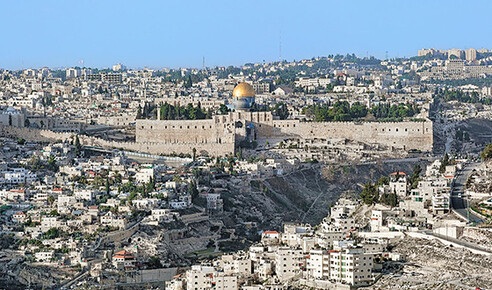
[190, 112]
[464, 97]
[387, 112]
[343, 111]
[340, 111]
[280, 109]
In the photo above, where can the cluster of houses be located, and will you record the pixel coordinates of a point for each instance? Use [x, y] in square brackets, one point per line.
[342, 251]
[88, 197]
[431, 197]
[321, 256]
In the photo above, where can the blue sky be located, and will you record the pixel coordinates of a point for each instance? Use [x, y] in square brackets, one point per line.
[179, 33]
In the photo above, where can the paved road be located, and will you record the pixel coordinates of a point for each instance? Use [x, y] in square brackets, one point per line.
[459, 204]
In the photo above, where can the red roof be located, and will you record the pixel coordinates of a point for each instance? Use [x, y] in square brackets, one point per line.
[270, 232]
[398, 173]
[124, 255]
[123, 252]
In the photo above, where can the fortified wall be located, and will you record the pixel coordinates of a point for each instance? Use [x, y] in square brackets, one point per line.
[212, 149]
[400, 135]
[209, 131]
[262, 126]
[220, 135]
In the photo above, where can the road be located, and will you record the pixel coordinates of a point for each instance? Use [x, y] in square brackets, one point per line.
[459, 204]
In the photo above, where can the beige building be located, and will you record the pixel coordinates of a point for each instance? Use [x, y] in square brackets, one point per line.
[471, 54]
[351, 266]
[318, 265]
[288, 263]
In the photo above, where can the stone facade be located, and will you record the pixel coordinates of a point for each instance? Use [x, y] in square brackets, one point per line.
[220, 135]
[262, 126]
[212, 149]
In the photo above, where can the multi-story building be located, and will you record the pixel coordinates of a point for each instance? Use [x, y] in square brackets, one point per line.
[262, 87]
[318, 265]
[471, 54]
[441, 201]
[225, 282]
[455, 66]
[458, 53]
[288, 263]
[351, 265]
[398, 183]
[18, 175]
[124, 260]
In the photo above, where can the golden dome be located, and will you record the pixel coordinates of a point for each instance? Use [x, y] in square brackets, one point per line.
[243, 90]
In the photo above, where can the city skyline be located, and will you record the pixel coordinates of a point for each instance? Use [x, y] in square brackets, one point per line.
[152, 34]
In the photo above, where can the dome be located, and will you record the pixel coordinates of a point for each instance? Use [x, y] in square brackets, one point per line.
[243, 90]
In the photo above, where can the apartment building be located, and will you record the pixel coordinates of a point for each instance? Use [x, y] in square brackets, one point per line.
[441, 202]
[398, 183]
[318, 265]
[351, 266]
[288, 262]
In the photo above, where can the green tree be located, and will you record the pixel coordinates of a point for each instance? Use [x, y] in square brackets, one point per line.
[189, 82]
[108, 188]
[414, 179]
[78, 147]
[52, 233]
[370, 193]
[281, 110]
[192, 190]
[390, 199]
[51, 200]
[383, 181]
[139, 113]
[444, 163]
[154, 263]
[487, 152]
[52, 163]
[223, 109]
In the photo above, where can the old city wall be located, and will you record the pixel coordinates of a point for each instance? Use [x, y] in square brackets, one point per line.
[217, 136]
[34, 134]
[185, 131]
[404, 135]
[213, 149]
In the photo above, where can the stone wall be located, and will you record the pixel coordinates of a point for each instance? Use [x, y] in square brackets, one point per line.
[212, 149]
[218, 136]
[185, 131]
[403, 135]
